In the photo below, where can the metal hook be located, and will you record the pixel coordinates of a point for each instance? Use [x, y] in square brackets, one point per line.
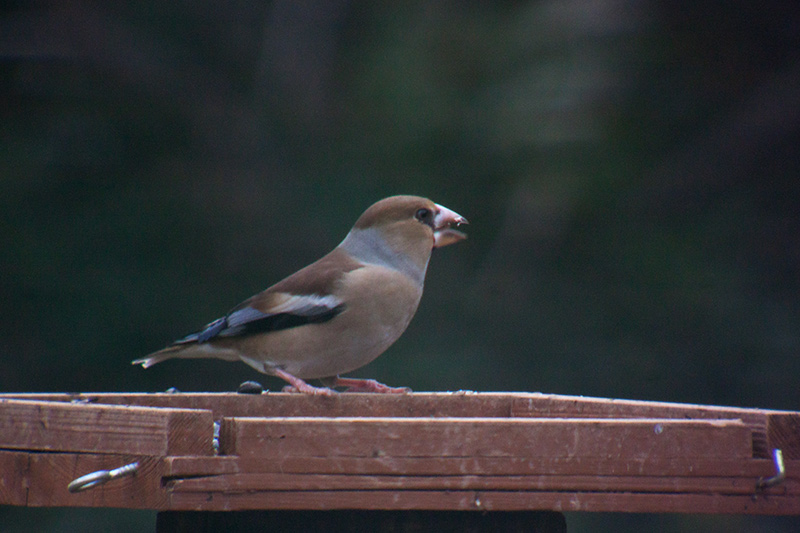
[763, 483]
[101, 476]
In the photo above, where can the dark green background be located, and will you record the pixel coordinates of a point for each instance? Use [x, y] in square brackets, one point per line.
[630, 171]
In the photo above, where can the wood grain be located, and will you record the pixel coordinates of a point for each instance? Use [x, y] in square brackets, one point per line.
[484, 437]
[436, 451]
[535, 483]
[78, 427]
[184, 467]
[475, 500]
[771, 428]
[51, 473]
[13, 478]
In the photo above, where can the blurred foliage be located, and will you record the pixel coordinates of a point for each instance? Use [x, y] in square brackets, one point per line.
[630, 170]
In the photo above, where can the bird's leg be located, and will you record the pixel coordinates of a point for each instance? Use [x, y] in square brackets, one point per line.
[298, 385]
[363, 385]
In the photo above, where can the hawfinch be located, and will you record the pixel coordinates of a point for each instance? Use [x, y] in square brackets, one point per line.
[338, 313]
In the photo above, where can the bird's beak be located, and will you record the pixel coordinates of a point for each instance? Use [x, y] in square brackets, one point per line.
[443, 234]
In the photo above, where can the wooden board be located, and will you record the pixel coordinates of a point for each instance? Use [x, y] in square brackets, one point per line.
[78, 427]
[771, 428]
[483, 437]
[51, 473]
[439, 451]
[41, 480]
[722, 484]
[13, 478]
[753, 469]
[474, 500]
[187, 483]
[419, 404]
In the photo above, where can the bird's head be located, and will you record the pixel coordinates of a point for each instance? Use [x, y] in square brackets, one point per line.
[407, 226]
[413, 218]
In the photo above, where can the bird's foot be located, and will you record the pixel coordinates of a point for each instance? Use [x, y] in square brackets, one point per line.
[310, 389]
[365, 385]
[298, 385]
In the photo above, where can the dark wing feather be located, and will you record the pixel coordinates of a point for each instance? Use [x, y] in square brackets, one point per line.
[296, 311]
[293, 302]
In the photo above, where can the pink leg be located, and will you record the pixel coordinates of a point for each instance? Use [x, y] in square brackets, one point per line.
[365, 385]
[298, 385]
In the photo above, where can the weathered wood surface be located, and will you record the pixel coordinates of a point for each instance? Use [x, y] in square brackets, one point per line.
[186, 467]
[656, 483]
[14, 468]
[41, 479]
[771, 428]
[476, 500]
[273, 438]
[441, 451]
[69, 427]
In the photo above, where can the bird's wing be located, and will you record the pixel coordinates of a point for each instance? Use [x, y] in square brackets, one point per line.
[305, 297]
[292, 311]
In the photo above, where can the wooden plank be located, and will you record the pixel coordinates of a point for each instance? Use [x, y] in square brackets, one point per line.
[484, 437]
[486, 501]
[753, 469]
[554, 405]
[772, 429]
[460, 404]
[51, 473]
[702, 478]
[783, 433]
[582, 483]
[457, 404]
[440, 404]
[606, 455]
[68, 427]
[13, 478]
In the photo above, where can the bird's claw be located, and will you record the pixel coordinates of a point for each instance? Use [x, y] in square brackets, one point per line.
[310, 389]
[367, 385]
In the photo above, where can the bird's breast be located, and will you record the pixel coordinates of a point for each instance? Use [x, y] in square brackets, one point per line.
[379, 303]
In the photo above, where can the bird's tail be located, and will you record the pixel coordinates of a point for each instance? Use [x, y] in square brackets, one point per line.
[191, 350]
[156, 357]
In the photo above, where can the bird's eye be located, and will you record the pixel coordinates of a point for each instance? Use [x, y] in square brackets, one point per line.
[424, 215]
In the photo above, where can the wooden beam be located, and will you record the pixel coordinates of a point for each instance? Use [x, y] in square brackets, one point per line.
[752, 469]
[771, 428]
[723, 484]
[13, 478]
[440, 451]
[41, 480]
[458, 404]
[483, 437]
[783, 433]
[71, 427]
[477, 500]
[51, 473]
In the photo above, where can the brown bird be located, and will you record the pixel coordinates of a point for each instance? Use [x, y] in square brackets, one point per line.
[336, 314]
